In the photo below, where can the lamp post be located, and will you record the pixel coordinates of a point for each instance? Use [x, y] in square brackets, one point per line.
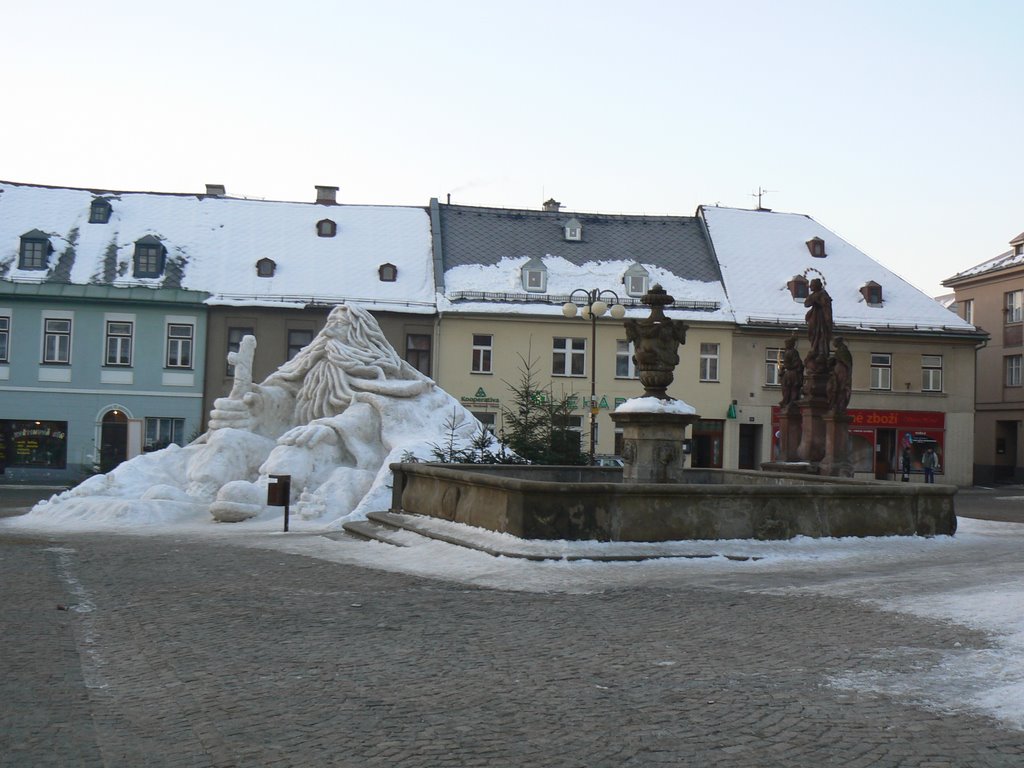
[593, 307]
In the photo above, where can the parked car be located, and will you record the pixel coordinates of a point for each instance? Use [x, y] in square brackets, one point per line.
[608, 461]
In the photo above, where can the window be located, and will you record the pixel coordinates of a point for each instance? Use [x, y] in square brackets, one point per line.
[881, 370]
[119, 343]
[798, 287]
[624, 366]
[1013, 306]
[149, 257]
[535, 276]
[266, 268]
[482, 349]
[569, 357]
[573, 230]
[56, 341]
[488, 419]
[297, 339]
[326, 228]
[35, 250]
[772, 356]
[162, 432]
[235, 336]
[1013, 370]
[388, 273]
[968, 305]
[99, 211]
[5, 338]
[872, 293]
[417, 351]
[931, 373]
[636, 280]
[34, 443]
[816, 246]
[709, 362]
[179, 345]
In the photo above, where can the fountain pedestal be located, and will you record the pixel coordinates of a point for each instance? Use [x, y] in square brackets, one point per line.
[652, 448]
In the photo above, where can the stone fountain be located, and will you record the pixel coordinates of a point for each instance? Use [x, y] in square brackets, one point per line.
[656, 498]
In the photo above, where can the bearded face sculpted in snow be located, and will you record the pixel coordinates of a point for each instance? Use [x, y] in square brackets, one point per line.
[349, 356]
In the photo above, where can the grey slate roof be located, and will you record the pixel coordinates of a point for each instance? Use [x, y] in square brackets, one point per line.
[471, 235]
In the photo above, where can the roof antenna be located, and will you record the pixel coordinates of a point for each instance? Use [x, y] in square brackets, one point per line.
[759, 194]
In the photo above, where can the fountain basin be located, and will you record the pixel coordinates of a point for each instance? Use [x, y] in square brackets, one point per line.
[592, 503]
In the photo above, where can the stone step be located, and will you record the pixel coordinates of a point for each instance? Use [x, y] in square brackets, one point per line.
[503, 545]
[370, 530]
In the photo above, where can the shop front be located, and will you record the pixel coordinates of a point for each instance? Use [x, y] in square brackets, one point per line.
[878, 439]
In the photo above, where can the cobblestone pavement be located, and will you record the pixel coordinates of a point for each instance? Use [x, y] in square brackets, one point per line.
[178, 651]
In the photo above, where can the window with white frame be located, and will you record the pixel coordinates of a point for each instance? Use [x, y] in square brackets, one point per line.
[119, 342]
[931, 373]
[1013, 306]
[179, 345]
[625, 368]
[1013, 364]
[482, 350]
[968, 305]
[5, 338]
[772, 356]
[569, 357]
[636, 280]
[881, 371]
[57, 341]
[161, 432]
[709, 361]
[534, 275]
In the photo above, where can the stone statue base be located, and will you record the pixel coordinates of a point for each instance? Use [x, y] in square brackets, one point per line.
[837, 446]
[789, 433]
[653, 445]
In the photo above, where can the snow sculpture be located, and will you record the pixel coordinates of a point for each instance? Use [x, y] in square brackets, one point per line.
[334, 418]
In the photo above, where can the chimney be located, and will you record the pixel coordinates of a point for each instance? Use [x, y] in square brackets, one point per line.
[215, 190]
[552, 205]
[327, 195]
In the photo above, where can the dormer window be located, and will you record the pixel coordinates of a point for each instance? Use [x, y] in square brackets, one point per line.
[326, 228]
[149, 257]
[636, 279]
[573, 230]
[35, 250]
[817, 247]
[797, 286]
[535, 276]
[266, 267]
[388, 273]
[872, 293]
[99, 211]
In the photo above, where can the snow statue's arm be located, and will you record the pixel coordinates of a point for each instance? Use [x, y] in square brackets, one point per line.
[262, 409]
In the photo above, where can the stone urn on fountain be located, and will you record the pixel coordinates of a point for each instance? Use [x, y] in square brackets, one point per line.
[654, 424]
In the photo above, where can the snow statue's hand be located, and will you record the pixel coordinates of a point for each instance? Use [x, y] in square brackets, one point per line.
[309, 436]
[237, 413]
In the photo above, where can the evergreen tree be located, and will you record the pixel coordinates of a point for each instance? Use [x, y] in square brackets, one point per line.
[537, 425]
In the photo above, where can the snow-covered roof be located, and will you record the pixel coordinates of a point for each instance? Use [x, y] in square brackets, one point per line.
[213, 242]
[483, 251]
[1004, 260]
[760, 251]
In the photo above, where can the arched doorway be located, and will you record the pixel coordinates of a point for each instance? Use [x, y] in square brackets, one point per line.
[113, 439]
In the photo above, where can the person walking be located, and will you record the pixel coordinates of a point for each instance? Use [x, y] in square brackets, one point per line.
[905, 461]
[929, 461]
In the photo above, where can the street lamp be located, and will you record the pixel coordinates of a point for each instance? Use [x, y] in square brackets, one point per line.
[593, 307]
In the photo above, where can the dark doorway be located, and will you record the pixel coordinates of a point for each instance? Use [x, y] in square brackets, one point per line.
[1006, 452]
[707, 443]
[113, 440]
[750, 442]
[885, 453]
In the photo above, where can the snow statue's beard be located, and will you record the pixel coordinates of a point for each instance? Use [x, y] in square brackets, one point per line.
[349, 355]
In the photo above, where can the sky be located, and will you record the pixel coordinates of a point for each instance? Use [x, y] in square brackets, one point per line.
[896, 125]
